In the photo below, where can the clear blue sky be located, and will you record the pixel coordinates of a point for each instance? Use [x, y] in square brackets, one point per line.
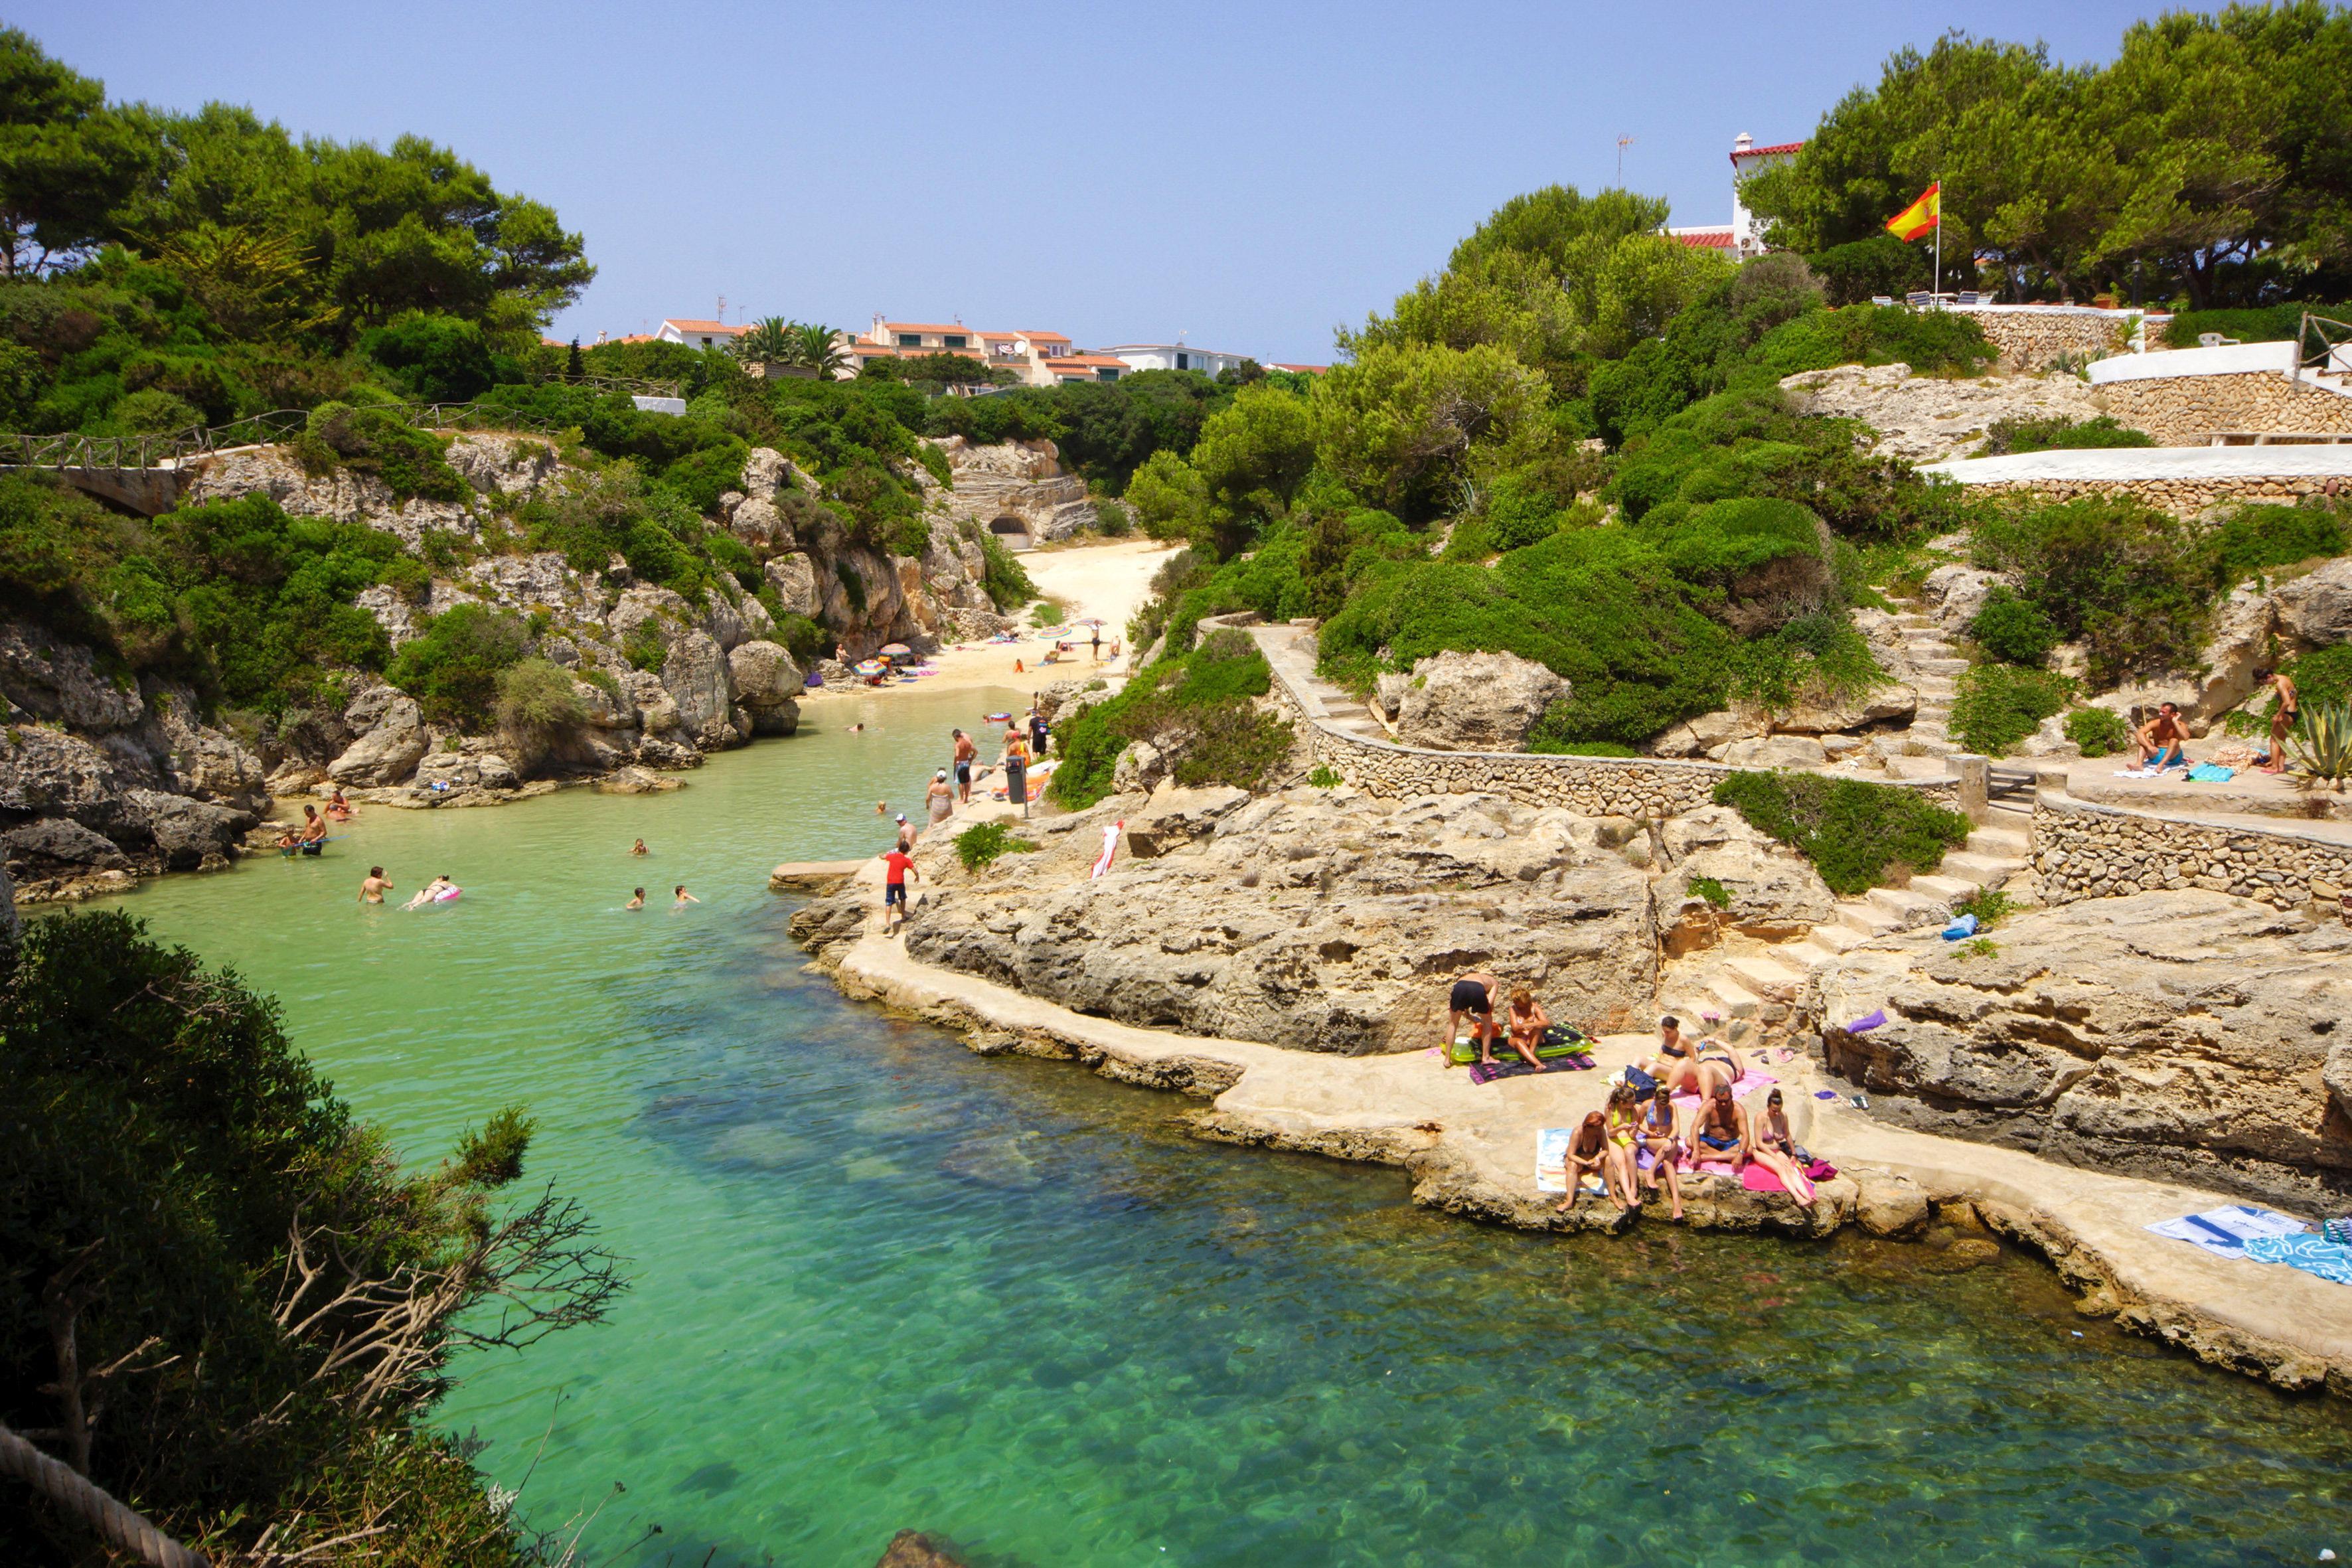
[1250, 174]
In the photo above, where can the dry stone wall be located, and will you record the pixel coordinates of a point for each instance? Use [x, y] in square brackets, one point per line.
[2083, 851]
[1588, 786]
[2182, 497]
[2182, 410]
[2034, 340]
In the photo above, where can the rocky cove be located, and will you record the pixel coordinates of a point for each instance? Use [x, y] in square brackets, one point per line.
[1285, 956]
[106, 776]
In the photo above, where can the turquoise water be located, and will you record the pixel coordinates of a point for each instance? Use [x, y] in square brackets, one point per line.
[882, 1283]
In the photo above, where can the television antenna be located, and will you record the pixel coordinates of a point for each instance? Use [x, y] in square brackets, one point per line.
[1623, 143]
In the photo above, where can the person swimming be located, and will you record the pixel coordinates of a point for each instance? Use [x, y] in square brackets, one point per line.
[683, 898]
[440, 889]
[639, 848]
[636, 900]
[375, 887]
[338, 808]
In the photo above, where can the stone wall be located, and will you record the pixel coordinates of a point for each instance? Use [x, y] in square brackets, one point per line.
[2182, 410]
[2183, 498]
[2033, 340]
[2083, 851]
[1590, 787]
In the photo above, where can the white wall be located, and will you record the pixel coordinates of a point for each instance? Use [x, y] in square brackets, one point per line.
[2230, 359]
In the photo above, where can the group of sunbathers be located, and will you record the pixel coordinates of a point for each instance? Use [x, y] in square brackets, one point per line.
[1524, 1022]
[2162, 742]
[1642, 1139]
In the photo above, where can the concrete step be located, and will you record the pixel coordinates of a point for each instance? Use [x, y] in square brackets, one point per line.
[1946, 885]
[2007, 843]
[1763, 974]
[1935, 689]
[1984, 870]
[1836, 938]
[1912, 621]
[1940, 666]
[1861, 915]
[1809, 950]
[1733, 999]
[1908, 909]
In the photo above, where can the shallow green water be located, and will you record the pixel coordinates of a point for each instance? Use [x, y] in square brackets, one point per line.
[881, 1282]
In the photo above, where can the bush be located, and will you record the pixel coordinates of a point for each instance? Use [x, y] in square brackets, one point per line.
[1198, 709]
[536, 703]
[984, 843]
[1709, 890]
[452, 667]
[803, 637]
[1881, 265]
[1113, 520]
[1048, 614]
[1322, 778]
[437, 358]
[1853, 831]
[1989, 905]
[2014, 630]
[2099, 732]
[1003, 577]
[645, 650]
[2058, 434]
[2325, 675]
[376, 440]
[2134, 584]
[2253, 539]
[2000, 704]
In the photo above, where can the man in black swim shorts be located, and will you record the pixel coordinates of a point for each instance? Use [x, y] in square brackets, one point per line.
[1473, 994]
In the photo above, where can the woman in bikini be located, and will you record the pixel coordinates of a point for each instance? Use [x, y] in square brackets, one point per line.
[1657, 1134]
[1528, 1023]
[1622, 1122]
[2281, 722]
[1588, 1153]
[1717, 1067]
[1670, 1065]
[1771, 1145]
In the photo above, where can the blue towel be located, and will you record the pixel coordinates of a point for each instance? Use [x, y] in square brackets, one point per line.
[2312, 1253]
[2211, 773]
[2226, 1232]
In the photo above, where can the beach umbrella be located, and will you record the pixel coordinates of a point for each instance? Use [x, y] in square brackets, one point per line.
[872, 666]
[892, 651]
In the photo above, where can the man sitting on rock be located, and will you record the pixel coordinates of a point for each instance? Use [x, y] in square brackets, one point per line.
[1473, 997]
[2162, 737]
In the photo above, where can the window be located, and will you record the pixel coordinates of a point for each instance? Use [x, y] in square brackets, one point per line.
[953, 340]
[1106, 375]
[910, 340]
[1183, 362]
[706, 342]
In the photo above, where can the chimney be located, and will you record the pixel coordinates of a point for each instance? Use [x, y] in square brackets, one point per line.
[1741, 144]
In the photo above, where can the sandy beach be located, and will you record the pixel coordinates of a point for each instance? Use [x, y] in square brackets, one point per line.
[1106, 581]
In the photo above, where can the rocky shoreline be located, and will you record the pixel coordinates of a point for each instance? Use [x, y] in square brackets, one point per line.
[1469, 1149]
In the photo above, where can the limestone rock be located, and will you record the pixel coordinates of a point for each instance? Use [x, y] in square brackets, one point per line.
[1776, 894]
[465, 770]
[1388, 693]
[2316, 609]
[2185, 1036]
[1928, 419]
[52, 679]
[695, 676]
[648, 608]
[341, 493]
[767, 470]
[2238, 645]
[1476, 701]
[1698, 737]
[189, 834]
[756, 523]
[767, 685]
[1139, 768]
[507, 465]
[794, 581]
[637, 781]
[1771, 752]
[391, 739]
[1313, 922]
[1954, 595]
[49, 842]
[1890, 1204]
[1831, 715]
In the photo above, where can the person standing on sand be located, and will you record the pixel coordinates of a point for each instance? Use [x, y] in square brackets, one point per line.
[1015, 762]
[1473, 997]
[939, 800]
[966, 753]
[372, 891]
[2281, 722]
[1097, 642]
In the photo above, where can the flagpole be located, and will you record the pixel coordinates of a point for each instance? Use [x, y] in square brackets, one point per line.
[1935, 287]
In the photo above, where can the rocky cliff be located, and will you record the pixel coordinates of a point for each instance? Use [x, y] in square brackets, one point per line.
[2187, 1036]
[104, 778]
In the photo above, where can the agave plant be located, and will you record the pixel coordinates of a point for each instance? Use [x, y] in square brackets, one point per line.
[2321, 743]
[772, 339]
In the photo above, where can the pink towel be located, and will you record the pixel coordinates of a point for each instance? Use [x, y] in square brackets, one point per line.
[1749, 1081]
[1755, 1178]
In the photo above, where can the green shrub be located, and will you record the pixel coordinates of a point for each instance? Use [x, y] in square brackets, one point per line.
[2135, 585]
[2256, 538]
[1711, 892]
[1999, 705]
[2058, 433]
[1989, 905]
[377, 440]
[2014, 630]
[1540, 739]
[1853, 831]
[645, 650]
[803, 637]
[1322, 778]
[985, 843]
[1003, 577]
[1197, 708]
[1113, 520]
[2249, 325]
[2099, 732]
[2324, 675]
[452, 667]
[536, 702]
[1048, 614]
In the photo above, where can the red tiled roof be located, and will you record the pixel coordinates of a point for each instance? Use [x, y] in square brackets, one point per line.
[1301, 369]
[1767, 152]
[1707, 239]
[712, 327]
[926, 327]
[1042, 337]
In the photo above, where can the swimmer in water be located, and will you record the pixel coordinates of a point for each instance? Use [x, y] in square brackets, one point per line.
[639, 848]
[684, 898]
[377, 885]
[429, 893]
[637, 901]
[859, 728]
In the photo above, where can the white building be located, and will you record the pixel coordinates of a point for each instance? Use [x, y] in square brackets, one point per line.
[1172, 356]
[1743, 236]
[1036, 358]
[699, 335]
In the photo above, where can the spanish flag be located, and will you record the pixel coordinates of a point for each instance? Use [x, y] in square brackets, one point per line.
[1920, 215]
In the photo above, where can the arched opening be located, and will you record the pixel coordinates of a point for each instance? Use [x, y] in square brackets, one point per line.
[1011, 531]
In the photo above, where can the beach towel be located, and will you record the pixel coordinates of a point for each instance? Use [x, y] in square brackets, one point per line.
[1748, 1083]
[2312, 1253]
[2211, 773]
[1110, 848]
[1512, 1067]
[1551, 1160]
[2139, 772]
[2224, 1232]
[2339, 1231]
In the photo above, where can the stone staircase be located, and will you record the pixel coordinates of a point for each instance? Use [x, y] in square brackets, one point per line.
[1749, 984]
[1935, 667]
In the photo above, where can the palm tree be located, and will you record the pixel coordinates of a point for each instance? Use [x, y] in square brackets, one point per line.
[817, 347]
[770, 339]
